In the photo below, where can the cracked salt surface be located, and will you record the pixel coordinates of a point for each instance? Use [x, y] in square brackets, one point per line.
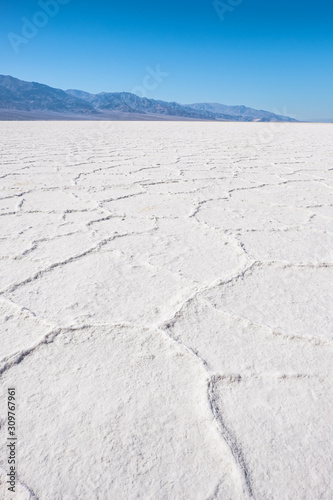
[166, 307]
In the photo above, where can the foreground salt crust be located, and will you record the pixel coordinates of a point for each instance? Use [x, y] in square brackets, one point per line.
[166, 302]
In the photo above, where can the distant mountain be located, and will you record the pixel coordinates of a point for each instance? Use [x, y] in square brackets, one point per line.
[241, 113]
[20, 100]
[30, 96]
[131, 103]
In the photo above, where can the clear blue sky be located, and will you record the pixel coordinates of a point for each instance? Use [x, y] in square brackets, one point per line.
[273, 54]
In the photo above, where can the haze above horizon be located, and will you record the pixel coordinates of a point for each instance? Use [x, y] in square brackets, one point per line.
[274, 56]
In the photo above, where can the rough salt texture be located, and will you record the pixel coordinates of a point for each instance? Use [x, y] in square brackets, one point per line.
[166, 296]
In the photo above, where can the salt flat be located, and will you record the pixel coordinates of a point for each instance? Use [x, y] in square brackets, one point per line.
[166, 296]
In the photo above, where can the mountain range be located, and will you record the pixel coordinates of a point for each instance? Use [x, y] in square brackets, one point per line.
[20, 100]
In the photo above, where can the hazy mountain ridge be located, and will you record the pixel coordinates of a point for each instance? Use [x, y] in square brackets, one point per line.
[38, 101]
[131, 103]
[31, 96]
[247, 114]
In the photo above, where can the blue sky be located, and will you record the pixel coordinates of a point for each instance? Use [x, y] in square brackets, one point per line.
[273, 54]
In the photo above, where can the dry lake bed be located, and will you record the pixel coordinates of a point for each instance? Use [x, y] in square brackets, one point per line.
[166, 301]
